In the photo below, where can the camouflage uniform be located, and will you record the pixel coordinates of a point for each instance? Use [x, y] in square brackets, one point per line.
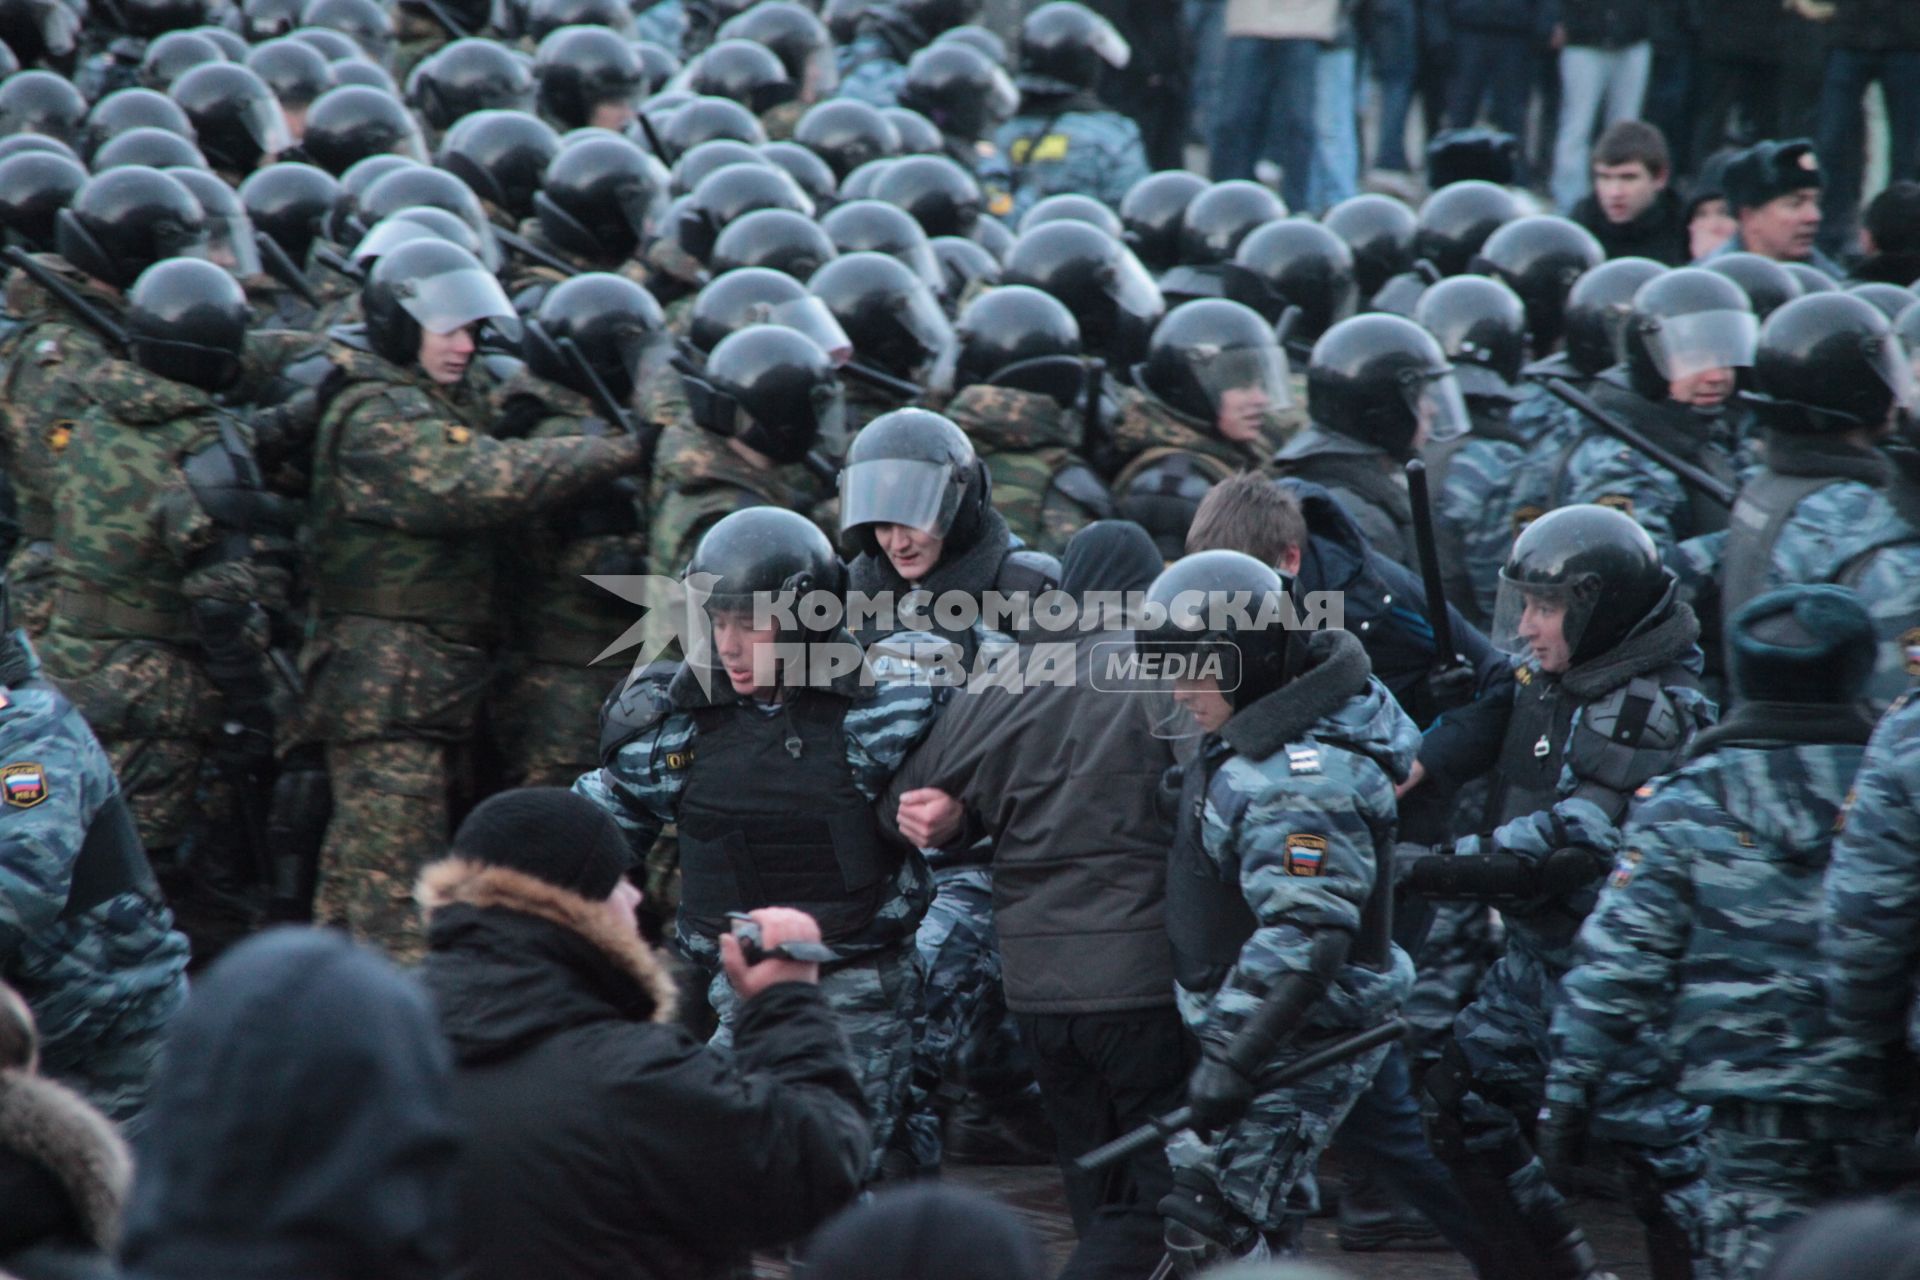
[779, 122]
[547, 700]
[405, 476]
[1701, 937]
[1071, 146]
[1300, 830]
[527, 280]
[1543, 425]
[664, 23]
[103, 983]
[1029, 444]
[1146, 430]
[650, 773]
[872, 70]
[417, 36]
[1365, 480]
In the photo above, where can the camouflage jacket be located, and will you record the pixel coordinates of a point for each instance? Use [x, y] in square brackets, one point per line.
[1298, 815]
[697, 480]
[1071, 146]
[527, 280]
[1027, 441]
[1703, 932]
[1870, 929]
[1144, 423]
[1473, 521]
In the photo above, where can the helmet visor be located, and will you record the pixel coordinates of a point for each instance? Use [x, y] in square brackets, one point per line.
[1132, 289]
[387, 235]
[264, 123]
[919, 495]
[453, 300]
[1543, 620]
[1002, 98]
[643, 205]
[821, 75]
[1439, 410]
[230, 244]
[925, 264]
[830, 418]
[1245, 381]
[1683, 346]
[928, 325]
[813, 319]
[1112, 47]
[1891, 359]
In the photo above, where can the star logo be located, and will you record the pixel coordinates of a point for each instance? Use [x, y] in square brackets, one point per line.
[674, 614]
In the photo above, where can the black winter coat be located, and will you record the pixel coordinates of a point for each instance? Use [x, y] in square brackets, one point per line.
[602, 1139]
[1660, 232]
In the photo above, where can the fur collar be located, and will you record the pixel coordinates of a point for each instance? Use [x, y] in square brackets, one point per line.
[475, 884]
[1338, 673]
[1648, 649]
[52, 1125]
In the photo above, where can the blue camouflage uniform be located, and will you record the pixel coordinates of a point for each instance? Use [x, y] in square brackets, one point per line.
[1071, 145]
[873, 67]
[1566, 774]
[656, 736]
[1702, 936]
[1543, 425]
[1291, 804]
[1468, 478]
[664, 24]
[103, 982]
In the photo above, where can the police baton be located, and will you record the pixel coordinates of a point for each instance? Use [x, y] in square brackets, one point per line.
[281, 267]
[90, 315]
[1437, 615]
[1695, 476]
[881, 380]
[1164, 1127]
[533, 252]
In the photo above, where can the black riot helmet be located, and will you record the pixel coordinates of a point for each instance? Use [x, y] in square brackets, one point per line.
[992, 235]
[1067, 48]
[601, 198]
[795, 36]
[502, 156]
[812, 174]
[782, 239]
[757, 555]
[361, 175]
[335, 46]
[1831, 363]
[889, 314]
[846, 134]
[1593, 562]
[290, 202]
[730, 193]
[1891, 299]
[236, 119]
[34, 187]
[360, 71]
[268, 19]
[544, 17]
[418, 186]
[914, 468]
[964, 262]
[580, 68]
[1299, 266]
[704, 159]
[661, 63]
[859, 184]
[1481, 326]
[1456, 222]
[125, 220]
[1007, 326]
[1539, 258]
[704, 20]
[230, 241]
[875, 227]
[1380, 232]
[294, 70]
[467, 76]
[1102, 283]
[1072, 207]
[353, 122]
[773, 391]
[958, 88]
[1221, 217]
[1211, 355]
[1248, 649]
[919, 136]
[941, 196]
[41, 102]
[1768, 285]
[983, 40]
[433, 286]
[1684, 323]
[155, 148]
[1153, 213]
[19, 142]
[743, 72]
[175, 54]
[408, 225]
[1812, 279]
[366, 22]
[41, 30]
[134, 108]
[1597, 311]
[758, 295]
[704, 119]
[615, 325]
[187, 322]
[1381, 380]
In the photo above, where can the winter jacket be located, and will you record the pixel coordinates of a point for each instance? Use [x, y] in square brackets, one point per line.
[64, 1173]
[1520, 17]
[1660, 232]
[603, 1140]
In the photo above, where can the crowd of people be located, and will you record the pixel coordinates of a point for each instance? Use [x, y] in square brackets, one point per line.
[1404, 675]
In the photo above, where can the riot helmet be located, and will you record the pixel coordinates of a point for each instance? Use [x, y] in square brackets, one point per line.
[236, 119]
[1153, 213]
[1456, 222]
[964, 263]
[760, 555]
[1223, 215]
[1891, 299]
[913, 468]
[127, 219]
[418, 186]
[941, 196]
[293, 70]
[352, 122]
[290, 202]
[149, 148]
[580, 69]
[432, 286]
[1598, 308]
[1539, 258]
[1812, 279]
[729, 193]
[874, 227]
[1008, 326]
[1070, 207]
[1685, 323]
[812, 174]
[34, 187]
[1215, 360]
[888, 312]
[467, 76]
[772, 390]
[1297, 266]
[1383, 380]
[365, 22]
[1066, 48]
[230, 242]
[502, 155]
[1831, 363]
[41, 102]
[1768, 285]
[758, 295]
[1102, 283]
[796, 37]
[964, 94]
[1593, 567]
[601, 198]
[544, 17]
[615, 326]
[782, 239]
[919, 136]
[1224, 615]
[846, 134]
[1380, 232]
[704, 119]
[743, 72]
[134, 108]
[706, 158]
[175, 54]
[1481, 326]
[187, 322]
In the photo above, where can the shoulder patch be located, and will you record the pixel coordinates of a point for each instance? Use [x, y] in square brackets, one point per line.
[1910, 650]
[24, 785]
[1525, 516]
[60, 434]
[1623, 869]
[1303, 760]
[1618, 501]
[1305, 855]
[1523, 674]
[457, 434]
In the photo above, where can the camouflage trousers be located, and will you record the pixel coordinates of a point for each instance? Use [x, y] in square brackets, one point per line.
[1768, 1166]
[114, 1077]
[1262, 1166]
[873, 998]
[389, 820]
[30, 586]
[544, 722]
[1460, 946]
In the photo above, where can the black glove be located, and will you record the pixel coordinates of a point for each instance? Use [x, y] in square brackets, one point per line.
[1560, 1138]
[1451, 687]
[245, 743]
[1485, 877]
[1570, 870]
[1218, 1094]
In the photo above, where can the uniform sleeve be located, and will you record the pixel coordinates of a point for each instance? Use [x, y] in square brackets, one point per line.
[641, 785]
[1464, 743]
[46, 802]
[1870, 934]
[403, 465]
[884, 730]
[1613, 475]
[1123, 161]
[1630, 946]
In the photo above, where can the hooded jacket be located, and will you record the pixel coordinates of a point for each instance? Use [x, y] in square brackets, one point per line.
[603, 1140]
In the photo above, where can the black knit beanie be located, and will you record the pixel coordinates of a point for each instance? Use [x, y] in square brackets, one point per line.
[548, 833]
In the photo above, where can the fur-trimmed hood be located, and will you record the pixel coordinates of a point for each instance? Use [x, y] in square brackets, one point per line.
[513, 959]
[46, 1124]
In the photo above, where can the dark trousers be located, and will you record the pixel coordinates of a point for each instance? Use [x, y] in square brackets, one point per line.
[1102, 1074]
[1842, 135]
[1497, 68]
[1392, 46]
[1768, 99]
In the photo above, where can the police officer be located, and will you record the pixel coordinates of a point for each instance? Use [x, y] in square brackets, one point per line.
[1378, 391]
[1065, 139]
[406, 473]
[599, 204]
[901, 338]
[968, 97]
[1279, 896]
[1741, 833]
[169, 559]
[874, 63]
[770, 769]
[1606, 697]
[1111, 295]
[1773, 191]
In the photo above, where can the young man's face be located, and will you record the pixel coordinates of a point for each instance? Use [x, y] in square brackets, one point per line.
[445, 356]
[1703, 390]
[745, 653]
[1625, 191]
[1202, 698]
[1242, 410]
[1710, 227]
[1543, 627]
[913, 552]
[1783, 228]
[616, 115]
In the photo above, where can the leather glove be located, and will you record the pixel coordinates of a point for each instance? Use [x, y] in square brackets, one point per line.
[245, 744]
[1218, 1094]
[1560, 1137]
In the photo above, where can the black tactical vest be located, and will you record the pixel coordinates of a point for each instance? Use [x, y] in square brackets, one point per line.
[1528, 772]
[1208, 919]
